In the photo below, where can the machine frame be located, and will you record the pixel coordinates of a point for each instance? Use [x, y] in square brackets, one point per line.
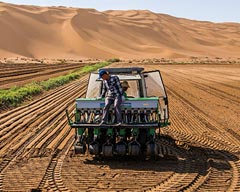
[142, 116]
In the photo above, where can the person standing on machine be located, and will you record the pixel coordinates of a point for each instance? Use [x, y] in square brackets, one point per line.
[113, 92]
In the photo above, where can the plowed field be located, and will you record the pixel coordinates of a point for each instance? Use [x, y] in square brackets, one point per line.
[36, 142]
[17, 74]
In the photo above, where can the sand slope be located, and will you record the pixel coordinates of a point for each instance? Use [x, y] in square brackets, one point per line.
[59, 32]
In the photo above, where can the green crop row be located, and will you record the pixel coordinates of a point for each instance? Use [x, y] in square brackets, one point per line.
[16, 95]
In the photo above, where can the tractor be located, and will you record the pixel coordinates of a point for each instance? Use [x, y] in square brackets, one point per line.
[144, 112]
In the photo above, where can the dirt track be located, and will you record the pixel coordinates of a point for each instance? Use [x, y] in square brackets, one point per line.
[36, 151]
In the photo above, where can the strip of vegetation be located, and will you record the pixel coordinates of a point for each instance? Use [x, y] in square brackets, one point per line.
[16, 95]
[58, 81]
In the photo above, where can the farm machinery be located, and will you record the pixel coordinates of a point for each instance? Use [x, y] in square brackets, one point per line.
[144, 113]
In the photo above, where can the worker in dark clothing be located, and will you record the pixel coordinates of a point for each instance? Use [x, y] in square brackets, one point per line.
[125, 87]
[112, 91]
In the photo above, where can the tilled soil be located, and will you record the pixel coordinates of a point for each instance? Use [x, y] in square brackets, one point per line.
[17, 74]
[202, 142]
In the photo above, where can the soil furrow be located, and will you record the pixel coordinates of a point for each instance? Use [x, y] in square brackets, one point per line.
[198, 151]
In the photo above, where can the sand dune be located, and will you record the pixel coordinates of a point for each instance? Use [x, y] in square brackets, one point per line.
[59, 32]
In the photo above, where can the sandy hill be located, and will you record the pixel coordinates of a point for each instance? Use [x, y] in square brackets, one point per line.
[58, 32]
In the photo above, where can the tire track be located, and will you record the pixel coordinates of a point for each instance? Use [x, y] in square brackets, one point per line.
[52, 179]
[217, 140]
[202, 115]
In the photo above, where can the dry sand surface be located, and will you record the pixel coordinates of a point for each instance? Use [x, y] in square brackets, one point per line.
[60, 32]
[36, 142]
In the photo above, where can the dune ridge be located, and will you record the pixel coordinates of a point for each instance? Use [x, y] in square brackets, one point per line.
[60, 32]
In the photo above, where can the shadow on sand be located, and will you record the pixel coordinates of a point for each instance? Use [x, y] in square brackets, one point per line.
[190, 160]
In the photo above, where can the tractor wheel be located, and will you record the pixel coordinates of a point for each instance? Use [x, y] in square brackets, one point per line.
[152, 149]
[107, 150]
[121, 149]
[94, 148]
[80, 149]
[134, 150]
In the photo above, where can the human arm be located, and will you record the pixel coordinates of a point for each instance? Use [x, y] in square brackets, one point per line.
[103, 91]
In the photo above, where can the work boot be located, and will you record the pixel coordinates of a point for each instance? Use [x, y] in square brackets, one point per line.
[102, 123]
[119, 123]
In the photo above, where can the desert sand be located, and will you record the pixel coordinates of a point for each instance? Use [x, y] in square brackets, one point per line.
[60, 32]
